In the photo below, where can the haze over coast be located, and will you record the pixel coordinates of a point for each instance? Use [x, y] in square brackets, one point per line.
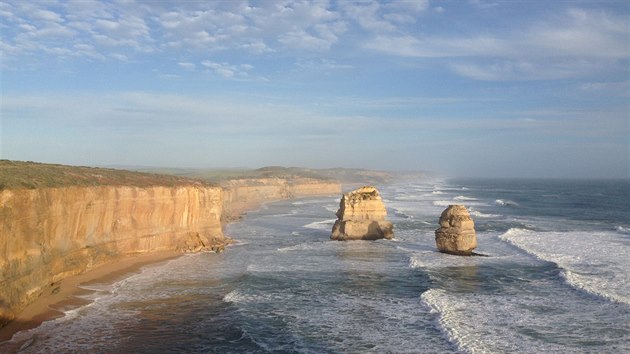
[461, 88]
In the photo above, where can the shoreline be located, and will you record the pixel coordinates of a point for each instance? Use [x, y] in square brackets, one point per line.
[65, 296]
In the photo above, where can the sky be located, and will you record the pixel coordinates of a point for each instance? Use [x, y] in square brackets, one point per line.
[460, 88]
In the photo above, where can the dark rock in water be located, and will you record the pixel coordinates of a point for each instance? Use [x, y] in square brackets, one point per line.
[361, 216]
[456, 234]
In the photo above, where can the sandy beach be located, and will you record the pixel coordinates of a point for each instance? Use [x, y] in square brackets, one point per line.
[64, 296]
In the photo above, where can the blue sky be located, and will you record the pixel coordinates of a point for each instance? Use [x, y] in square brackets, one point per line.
[461, 88]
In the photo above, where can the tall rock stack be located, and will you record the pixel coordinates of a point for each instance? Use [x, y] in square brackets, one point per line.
[456, 234]
[361, 216]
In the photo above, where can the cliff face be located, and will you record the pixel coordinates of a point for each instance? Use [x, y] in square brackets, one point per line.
[242, 194]
[48, 234]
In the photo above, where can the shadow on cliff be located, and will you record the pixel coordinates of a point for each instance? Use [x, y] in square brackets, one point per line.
[374, 231]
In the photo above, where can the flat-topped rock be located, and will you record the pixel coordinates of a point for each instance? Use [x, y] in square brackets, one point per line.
[456, 234]
[362, 216]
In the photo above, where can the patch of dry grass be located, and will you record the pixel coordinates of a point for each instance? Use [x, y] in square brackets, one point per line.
[31, 175]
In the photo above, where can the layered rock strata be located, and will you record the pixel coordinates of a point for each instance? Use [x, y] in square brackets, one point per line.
[48, 234]
[247, 193]
[51, 233]
[456, 234]
[362, 216]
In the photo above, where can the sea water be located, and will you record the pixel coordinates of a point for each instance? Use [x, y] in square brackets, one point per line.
[556, 279]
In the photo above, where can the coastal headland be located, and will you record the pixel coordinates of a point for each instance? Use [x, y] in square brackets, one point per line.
[62, 226]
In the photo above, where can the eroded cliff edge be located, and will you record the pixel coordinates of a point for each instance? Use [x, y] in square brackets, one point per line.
[49, 233]
[247, 193]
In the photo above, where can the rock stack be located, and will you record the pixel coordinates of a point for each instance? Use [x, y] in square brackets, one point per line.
[456, 234]
[361, 216]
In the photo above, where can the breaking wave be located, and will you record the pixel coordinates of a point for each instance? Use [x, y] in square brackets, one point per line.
[591, 261]
[461, 197]
[479, 214]
[321, 225]
[506, 203]
[623, 230]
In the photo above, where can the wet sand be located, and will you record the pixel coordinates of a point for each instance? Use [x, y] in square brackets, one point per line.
[63, 296]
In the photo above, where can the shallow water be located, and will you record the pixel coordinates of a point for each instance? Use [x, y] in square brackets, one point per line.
[556, 281]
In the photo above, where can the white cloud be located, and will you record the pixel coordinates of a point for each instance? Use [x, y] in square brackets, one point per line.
[578, 43]
[408, 6]
[227, 70]
[45, 15]
[118, 56]
[322, 65]
[579, 34]
[257, 46]
[305, 40]
[187, 66]
[368, 15]
[560, 45]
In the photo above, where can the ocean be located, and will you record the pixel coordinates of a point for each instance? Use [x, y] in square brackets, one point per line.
[556, 280]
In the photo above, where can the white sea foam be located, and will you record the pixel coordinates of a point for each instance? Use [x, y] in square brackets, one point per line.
[290, 213]
[417, 262]
[506, 202]
[596, 262]
[332, 208]
[433, 299]
[479, 214]
[237, 297]
[444, 203]
[508, 323]
[462, 197]
[437, 192]
[233, 296]
[299, 247]
[623, 230]
[321, 225]
[468, 203]
[97, 287]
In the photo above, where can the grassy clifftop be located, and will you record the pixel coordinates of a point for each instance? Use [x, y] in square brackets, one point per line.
[31, 175]
[220, 175]
[344, 175]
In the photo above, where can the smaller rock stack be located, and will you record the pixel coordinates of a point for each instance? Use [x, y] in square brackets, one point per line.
[361, 216]
[456, 234]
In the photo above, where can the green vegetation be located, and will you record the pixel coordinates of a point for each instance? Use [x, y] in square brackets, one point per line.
[218, 175]
[344, 175]
[31, 175]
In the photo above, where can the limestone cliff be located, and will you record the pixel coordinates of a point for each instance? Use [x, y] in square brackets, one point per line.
[243, 194]
[48, 234]
[361, 216]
